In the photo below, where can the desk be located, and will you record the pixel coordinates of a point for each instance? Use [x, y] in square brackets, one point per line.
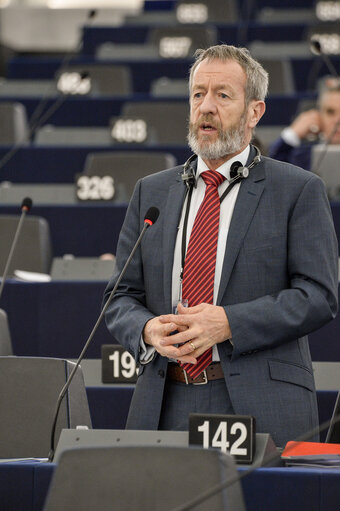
[24, 485]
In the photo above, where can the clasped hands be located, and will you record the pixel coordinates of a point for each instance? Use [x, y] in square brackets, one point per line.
[188, 334]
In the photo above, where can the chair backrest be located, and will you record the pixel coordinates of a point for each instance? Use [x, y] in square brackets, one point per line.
[126, 168]
[29, 389]
[14, 88]
[181, 41]
[5, 336]
[143, 478]
[280, 49]
[33, 251]
[82, 268]
[275, 15]
[266, 135]
[40, 193]
[50, 135]
[166, 87]
[125, 52]
[13, 123]
[166, 122]
[94, 80]
[281, 79]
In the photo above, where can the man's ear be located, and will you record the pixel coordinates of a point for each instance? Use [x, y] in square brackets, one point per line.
[255, 111]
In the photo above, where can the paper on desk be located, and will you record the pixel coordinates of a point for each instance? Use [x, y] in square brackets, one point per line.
[32, 276]
[314, 461]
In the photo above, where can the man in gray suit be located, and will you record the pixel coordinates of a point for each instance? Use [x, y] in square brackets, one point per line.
[275, 277]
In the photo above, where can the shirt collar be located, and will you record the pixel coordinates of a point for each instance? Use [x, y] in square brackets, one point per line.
[224, 169]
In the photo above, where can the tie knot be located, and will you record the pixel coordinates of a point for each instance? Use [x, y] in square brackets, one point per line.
[212, 177]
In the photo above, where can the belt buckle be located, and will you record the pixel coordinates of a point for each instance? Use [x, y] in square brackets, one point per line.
[204, 382]
[205, 379]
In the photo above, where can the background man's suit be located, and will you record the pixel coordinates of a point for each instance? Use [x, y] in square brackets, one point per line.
[300, 155]
[279, 282]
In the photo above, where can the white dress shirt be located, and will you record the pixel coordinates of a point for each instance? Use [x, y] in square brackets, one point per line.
[226, 212]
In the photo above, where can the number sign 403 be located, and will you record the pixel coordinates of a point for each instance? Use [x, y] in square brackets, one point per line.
[229, 433]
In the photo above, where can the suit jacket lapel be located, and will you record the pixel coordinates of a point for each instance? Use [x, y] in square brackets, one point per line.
[247, 201]
[172, 213]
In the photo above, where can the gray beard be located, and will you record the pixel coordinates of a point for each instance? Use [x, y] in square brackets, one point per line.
[228, 142]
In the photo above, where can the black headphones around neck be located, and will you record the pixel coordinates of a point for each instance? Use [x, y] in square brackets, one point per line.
[237, 170]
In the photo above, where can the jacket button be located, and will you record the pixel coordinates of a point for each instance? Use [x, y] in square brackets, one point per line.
[161, 373]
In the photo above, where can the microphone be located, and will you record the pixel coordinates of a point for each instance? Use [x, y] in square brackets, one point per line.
[188, 175]
[25, 208]
[316, 48]
[149, 219]
[237, 170]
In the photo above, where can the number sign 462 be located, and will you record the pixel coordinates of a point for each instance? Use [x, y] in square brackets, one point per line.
[229, 433]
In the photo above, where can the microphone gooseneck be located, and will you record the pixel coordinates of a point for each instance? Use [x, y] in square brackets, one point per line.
[25, 208]
[149, 219]
[316, 48]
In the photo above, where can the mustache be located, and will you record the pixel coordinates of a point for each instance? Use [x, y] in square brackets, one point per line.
[206, 119]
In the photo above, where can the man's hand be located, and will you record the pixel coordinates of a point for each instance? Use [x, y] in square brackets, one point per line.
[157, 330]
[307, 123]
[199, 328]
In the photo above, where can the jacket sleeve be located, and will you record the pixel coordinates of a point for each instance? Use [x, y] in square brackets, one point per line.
[311, 298]
[300, 156]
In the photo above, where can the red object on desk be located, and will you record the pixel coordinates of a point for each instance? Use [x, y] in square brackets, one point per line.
[309, 448]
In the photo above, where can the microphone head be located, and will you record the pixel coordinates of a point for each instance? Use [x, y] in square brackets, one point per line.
[234, 169]
[92, 13]
[26, 204]
[315, 46]
[84, 75]
[151, 215]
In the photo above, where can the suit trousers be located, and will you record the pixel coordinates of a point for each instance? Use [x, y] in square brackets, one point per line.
[180, 400]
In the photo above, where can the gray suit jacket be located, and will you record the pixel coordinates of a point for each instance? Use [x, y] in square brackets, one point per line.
[279, 282]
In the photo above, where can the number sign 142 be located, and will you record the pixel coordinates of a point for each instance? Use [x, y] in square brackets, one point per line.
[229, 433]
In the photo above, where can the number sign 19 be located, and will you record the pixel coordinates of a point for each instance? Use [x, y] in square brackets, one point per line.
[229, 433]
[118, 366]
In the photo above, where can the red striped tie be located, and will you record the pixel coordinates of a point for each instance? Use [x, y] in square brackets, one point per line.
[200, 260]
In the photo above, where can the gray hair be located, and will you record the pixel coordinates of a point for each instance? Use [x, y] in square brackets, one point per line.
[257, 76]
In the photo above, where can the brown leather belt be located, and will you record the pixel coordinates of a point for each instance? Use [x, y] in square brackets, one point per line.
[212, 372]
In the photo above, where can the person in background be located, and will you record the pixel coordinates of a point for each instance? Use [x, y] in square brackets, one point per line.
[321, 124]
